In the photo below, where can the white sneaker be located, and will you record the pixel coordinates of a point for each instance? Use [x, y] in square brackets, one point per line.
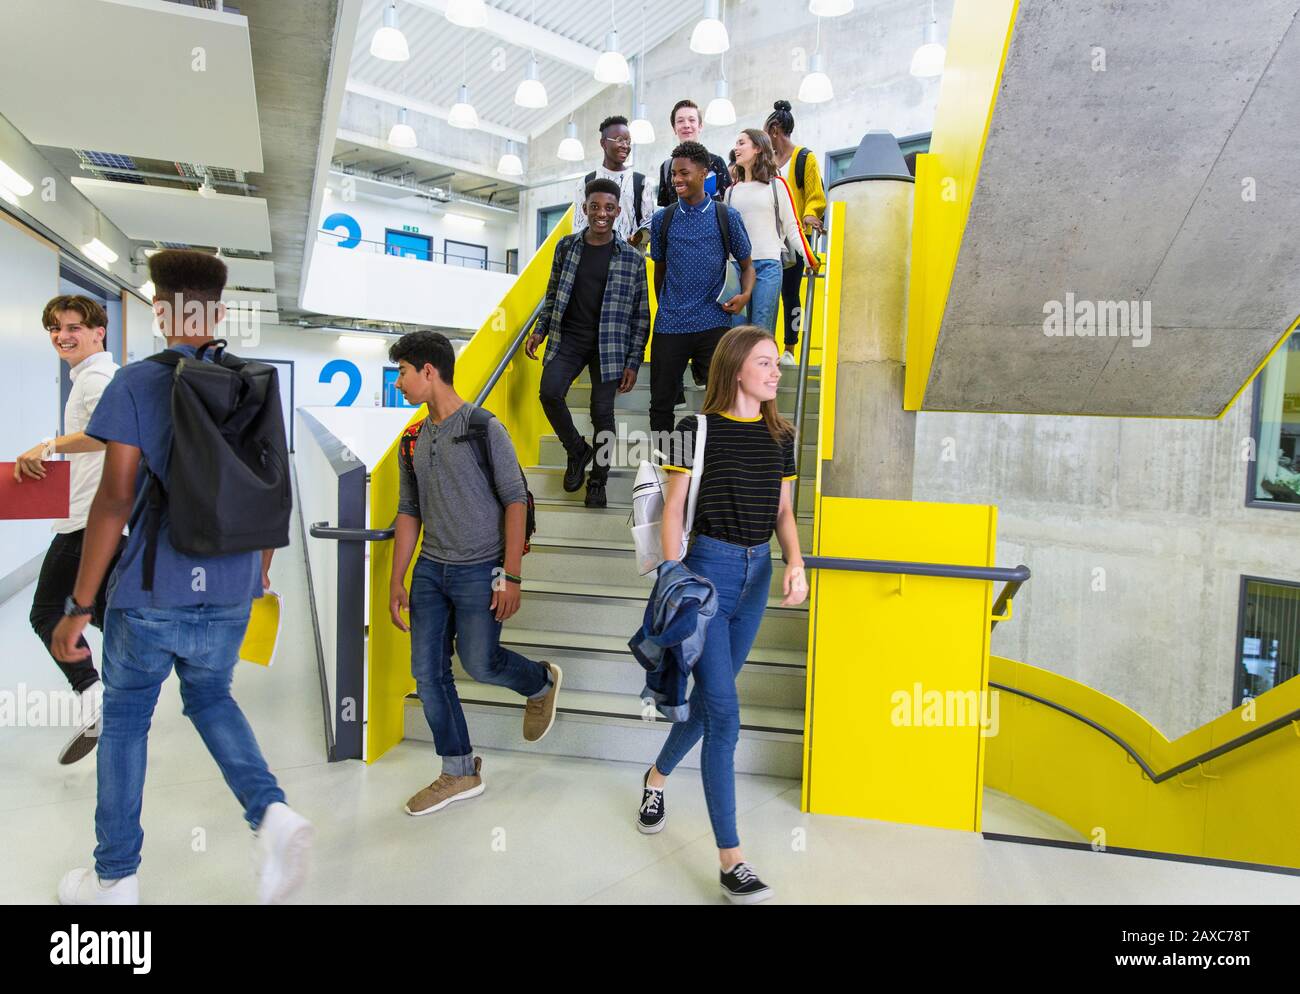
[83, 743]
[788, 359]
[82, 886]
[282, 844]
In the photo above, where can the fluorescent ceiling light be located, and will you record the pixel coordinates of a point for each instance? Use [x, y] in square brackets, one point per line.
[464, 220]
[816, 86]
[389, 43]
[829, 8]
[710, 34]
[402, 134]
[531, 92]
[611, 67]
[467, 13]
[570, 149]
[463, 114]
[361, 341]
[147, 290]
[721, 110]
[8, 195]
[98, 252]
[12, 181]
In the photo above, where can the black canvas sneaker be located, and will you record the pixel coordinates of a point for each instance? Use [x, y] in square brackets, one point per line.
[651, 818]
[742, 886]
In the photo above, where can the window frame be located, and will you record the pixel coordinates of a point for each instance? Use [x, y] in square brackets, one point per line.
[1256, 423]
[1238, 669]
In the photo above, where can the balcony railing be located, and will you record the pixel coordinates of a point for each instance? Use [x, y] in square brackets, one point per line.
[444, 257]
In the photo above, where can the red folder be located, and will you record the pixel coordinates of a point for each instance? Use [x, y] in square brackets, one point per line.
[47, 498]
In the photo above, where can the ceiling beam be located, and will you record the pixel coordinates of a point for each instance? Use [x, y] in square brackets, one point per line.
[418, 106]
[520, 32]
[422, 155]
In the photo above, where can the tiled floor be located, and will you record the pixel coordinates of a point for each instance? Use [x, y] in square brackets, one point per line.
[546, 829]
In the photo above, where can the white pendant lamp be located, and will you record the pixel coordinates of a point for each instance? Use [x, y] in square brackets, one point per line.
[389, 43]
[611, 67]
[643, 132]
[571, 149]
[511, 164]
[467, 13]
[463, 114]
[928, 60]
[829, 8]
[530, 92]
[402, 134]
[816, 86]
[710, 34]
[721, 111]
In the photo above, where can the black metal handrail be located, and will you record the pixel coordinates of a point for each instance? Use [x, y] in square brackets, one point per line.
[1230, 746]
[483, 394]
[1013, 574]
[801, 394]
[323, 529]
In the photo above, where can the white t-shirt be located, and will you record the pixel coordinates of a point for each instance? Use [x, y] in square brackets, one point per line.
[625, 225]
[755, 203]
[90, 378]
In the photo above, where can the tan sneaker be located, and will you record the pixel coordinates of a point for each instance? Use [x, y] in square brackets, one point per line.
[446, 789]
[539, 714]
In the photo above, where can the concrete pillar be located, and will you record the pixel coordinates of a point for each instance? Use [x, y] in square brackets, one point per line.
[875, 438]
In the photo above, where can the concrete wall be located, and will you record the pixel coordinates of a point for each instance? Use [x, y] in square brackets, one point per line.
[867, 54]
[1137, 534]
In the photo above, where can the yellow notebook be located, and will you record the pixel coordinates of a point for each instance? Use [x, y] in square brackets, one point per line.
[263, 630]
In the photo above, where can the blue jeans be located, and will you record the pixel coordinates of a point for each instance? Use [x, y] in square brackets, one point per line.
[449, 602]
[765, 302]
[141, 646]
[742, 577]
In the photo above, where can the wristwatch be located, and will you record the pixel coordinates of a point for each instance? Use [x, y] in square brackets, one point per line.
[71, 609]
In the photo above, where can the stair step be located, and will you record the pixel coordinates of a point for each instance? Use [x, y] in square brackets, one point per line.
[581, 565]
[619, 611]
[565, 520]
[613, 727]
[638, 398]
[639, 421]
[548, 482]
[539, 642]
[631, 452]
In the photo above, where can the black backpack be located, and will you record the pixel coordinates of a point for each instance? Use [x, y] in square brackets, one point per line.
[227, 488]
[638, 190]
[476, 433]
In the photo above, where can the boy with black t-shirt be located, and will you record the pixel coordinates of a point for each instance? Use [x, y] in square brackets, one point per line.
[597, 315]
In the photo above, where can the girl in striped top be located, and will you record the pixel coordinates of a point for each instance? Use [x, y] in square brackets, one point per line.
[744, 497]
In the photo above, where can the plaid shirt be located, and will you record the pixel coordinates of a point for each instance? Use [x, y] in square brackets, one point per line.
[624, 310]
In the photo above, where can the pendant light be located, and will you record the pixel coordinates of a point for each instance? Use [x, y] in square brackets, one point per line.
[815, 88]
[402, 134]
[611, 67]
[643, 132]
[530, 92]
[721, 111]
[467, 13]
[710, 34]
[511, 164]
[928, 60]
[463, 114]
[389, 43]
[571, 149]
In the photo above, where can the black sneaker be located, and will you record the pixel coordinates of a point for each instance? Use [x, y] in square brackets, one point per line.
[577, 467]
[595, 494]
[742, 886]
[651, 818]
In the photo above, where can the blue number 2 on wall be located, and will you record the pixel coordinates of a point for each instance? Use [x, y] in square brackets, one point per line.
[348, 369]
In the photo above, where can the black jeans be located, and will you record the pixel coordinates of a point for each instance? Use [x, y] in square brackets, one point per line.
[669, 355]
[58, 577]
[792, 302]
[557, 376]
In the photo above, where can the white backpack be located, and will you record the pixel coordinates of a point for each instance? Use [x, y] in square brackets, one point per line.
[648, 505]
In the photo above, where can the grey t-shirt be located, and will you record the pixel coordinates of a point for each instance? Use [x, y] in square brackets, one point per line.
[463, 517]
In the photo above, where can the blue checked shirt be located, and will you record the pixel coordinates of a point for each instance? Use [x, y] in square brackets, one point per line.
[624, 310]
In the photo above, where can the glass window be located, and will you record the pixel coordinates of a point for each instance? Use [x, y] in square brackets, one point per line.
[547, 217]
[408, 244]
[1274, 474]
[1268, 651]
[465, 254]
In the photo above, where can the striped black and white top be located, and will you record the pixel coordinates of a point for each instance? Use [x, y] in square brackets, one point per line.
[744, 470]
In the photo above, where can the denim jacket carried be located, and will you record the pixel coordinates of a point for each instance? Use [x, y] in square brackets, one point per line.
[671, 637]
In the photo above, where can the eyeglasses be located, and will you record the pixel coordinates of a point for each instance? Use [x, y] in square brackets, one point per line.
[619, 141]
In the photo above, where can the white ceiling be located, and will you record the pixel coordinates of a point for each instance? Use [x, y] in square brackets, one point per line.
[155, 213]
[257, 273]
[137, 77]
[570, 35]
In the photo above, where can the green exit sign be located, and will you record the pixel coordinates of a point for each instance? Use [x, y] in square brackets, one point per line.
[411, 228]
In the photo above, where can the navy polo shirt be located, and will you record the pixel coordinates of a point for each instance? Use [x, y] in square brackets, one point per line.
[136, 410]
[696, 266]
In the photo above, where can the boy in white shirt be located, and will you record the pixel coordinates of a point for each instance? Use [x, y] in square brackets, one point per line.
[77, 329]
[636, 200]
